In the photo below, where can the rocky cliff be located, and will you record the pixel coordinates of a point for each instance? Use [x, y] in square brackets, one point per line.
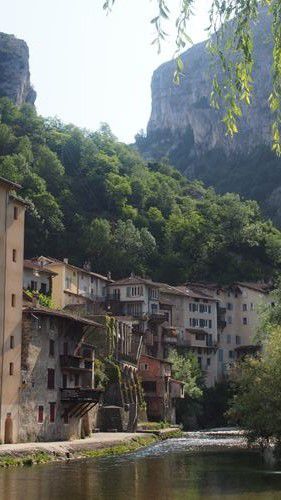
[182, 119]
[14, 70]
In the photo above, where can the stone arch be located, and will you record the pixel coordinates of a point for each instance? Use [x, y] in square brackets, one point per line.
[8, 437]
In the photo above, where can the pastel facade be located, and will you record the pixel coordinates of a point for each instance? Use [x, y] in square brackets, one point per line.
[73, 285]
[12, 213]
[37, 278]
[137, 297]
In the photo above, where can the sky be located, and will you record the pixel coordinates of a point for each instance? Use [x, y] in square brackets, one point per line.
[88, 67]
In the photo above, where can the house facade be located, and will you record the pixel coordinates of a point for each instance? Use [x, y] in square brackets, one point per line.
[160, 390]
[12, 213]
[73, 285]
[37, 278]
[58, 397]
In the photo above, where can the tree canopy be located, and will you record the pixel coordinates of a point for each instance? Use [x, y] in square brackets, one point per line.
[95, 199]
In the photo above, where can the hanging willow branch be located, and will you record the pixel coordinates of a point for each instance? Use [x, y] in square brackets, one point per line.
[232, 46]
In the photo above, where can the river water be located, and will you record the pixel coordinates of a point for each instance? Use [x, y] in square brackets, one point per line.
[197, 467]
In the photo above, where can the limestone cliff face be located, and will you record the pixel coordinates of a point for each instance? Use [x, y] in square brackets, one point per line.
[182, 108]
[14, 70]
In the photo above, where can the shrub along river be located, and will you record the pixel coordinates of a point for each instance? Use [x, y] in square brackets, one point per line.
[197, 467]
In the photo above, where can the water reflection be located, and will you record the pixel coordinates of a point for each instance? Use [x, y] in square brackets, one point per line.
[178, 469]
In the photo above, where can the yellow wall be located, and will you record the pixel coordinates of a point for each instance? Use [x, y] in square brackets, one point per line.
[11, 275]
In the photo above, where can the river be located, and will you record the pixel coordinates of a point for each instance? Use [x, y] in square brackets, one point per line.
[198, 467]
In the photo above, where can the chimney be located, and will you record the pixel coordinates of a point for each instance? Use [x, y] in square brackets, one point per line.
[109, 275]
[65, 260]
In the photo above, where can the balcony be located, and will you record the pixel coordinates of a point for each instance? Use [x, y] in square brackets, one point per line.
[81, 395]
[75, 363]
[158, 317]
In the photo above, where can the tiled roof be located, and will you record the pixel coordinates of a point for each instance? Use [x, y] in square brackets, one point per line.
[56, 262]
[259, 287]
[9, 184]
[61, 314]
[136, 280]
[29, 264]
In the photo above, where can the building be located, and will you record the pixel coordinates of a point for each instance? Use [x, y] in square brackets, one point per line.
[241, 303]
[238, 309]
[12, 212]
[139, 298]
[37, 278]
[160, 390]
[73, 285]
[135, 296]
[192, 326]
[58, 397]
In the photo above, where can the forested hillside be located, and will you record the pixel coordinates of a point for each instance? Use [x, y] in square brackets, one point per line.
[94, 199]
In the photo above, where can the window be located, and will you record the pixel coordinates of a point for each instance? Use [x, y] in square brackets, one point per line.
[208, 361]
[76, 380]
[210, 323]
[245, 307]
[74, 273]
[229, 320]
[11, 369]
[67, 282]
[52, 412]
[203, 323]
[238, 340]
[193, 322]
[16, 213]
[33, 285]
[200, 336]
[14, 255]
[92, 291]
[51, 347]
[149, 386]
[52, 323]
[209, 339]
[229, 306]
[209, 309]
[144, 366]
[13, 300]
[12, 342]
[40, 417]
[230, 354]
[252, 307]
[43, 288]
[51, 378]
[228, 339]
[128, 291]
[220, 355]
[245, 321]
[199, 359]
[64, 380]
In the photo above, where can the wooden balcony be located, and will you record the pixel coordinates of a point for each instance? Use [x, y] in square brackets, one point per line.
[158, 317]
[76, 363]
[81, 395]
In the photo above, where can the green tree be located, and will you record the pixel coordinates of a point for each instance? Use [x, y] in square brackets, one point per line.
[186, 369]
[256, 405]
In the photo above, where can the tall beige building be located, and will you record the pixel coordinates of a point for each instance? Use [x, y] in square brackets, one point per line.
[12, 211]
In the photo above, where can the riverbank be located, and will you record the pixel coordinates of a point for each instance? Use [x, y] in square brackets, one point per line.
[98, 445]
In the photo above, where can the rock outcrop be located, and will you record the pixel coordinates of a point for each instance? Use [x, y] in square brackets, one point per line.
[182, 118]
[14, 70]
